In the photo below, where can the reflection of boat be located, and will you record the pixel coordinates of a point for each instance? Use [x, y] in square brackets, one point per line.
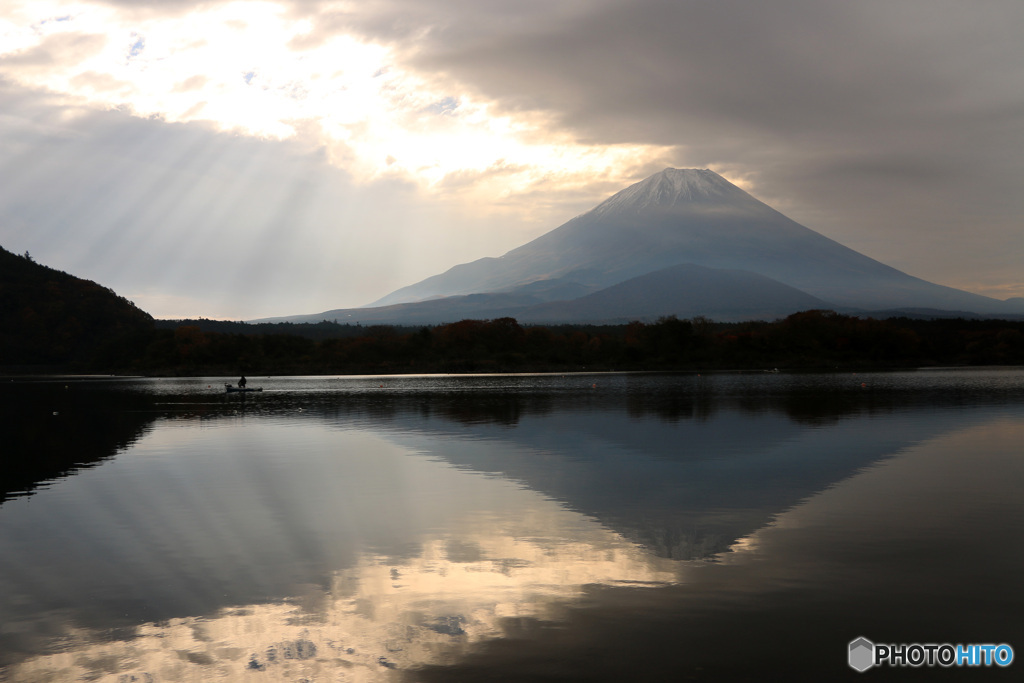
[230, 389]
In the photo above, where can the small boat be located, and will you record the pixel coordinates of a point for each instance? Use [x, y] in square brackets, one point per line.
[230, 389]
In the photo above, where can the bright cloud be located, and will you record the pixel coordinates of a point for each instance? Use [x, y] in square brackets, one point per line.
[248, 67]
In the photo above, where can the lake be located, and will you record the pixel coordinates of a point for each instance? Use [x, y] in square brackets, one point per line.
[580, 527]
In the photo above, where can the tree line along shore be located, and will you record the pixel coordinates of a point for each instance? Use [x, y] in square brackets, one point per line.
[809, 340]
[53, 322]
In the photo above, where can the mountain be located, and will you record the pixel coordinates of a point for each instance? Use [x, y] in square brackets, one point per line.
[683, 290]
[694, 216]
[51, 318]
[675, 217]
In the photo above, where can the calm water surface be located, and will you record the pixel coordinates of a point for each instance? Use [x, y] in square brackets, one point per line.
[508, 528]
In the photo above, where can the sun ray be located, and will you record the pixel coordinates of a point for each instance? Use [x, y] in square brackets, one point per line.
[244, 67]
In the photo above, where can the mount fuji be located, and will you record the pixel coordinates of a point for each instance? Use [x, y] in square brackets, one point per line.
[682, 242]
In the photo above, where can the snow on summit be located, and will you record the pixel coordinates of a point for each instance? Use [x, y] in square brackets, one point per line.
[670, 187]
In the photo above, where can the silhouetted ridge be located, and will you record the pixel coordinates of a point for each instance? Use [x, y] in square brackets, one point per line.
[48, 317]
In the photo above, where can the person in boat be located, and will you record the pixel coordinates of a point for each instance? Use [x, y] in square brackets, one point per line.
[241, 382]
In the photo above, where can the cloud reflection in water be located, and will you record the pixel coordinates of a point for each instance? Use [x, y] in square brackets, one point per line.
[326, 550]
[357, 539]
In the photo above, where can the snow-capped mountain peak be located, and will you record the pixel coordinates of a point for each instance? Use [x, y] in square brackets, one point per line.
[689, 217]
[671, 187]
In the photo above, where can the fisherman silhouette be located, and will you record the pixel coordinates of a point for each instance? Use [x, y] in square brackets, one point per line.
[241, 382]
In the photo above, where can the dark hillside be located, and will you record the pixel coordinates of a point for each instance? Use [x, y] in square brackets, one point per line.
[49, 319]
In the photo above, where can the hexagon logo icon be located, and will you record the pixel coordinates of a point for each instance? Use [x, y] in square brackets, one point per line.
[862, 654]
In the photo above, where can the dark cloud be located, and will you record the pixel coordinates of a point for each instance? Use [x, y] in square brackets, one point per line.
[865, 118]
[643, 70]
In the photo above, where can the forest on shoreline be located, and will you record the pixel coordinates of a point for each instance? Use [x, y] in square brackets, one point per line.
[803, 341]
[53, 322]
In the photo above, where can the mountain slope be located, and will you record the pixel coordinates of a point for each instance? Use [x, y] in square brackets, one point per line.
[50, 317]
[694, 216]
[684, 290]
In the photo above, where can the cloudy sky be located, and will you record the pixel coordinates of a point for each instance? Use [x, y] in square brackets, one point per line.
[237, 159]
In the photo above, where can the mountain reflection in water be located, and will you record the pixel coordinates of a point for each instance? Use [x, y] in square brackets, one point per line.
[600, 527]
